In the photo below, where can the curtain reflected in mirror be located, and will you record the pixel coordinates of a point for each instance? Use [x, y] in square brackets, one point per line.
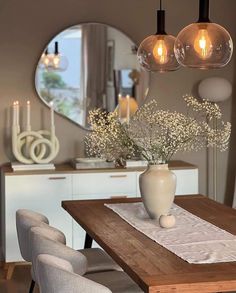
[102, 65]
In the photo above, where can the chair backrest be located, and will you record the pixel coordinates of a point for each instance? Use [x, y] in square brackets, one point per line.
[57, 275]
[32, 214]
[45, 241]
[26, 219]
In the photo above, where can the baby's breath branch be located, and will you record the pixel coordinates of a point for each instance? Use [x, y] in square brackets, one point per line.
[157, 134]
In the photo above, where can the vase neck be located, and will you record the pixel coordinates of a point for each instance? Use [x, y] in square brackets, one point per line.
[158, 167]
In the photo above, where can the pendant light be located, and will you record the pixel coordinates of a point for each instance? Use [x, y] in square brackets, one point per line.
[156, 52]
[203, 44]
[54, 61]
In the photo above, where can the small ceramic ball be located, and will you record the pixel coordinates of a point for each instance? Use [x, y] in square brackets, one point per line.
[167, 221]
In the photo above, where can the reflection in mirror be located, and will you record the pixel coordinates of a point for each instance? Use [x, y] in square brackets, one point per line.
[101, 66]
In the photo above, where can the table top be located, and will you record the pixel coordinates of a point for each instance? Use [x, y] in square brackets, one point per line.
[151, 266]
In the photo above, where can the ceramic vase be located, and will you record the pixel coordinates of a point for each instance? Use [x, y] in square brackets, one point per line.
[157, 186]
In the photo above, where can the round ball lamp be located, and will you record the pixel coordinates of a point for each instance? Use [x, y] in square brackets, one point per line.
[215, 89]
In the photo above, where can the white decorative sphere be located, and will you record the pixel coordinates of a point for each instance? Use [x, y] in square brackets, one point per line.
[167, 221]
[215, 89]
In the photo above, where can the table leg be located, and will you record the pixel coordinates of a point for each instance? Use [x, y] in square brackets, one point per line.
[88, 241]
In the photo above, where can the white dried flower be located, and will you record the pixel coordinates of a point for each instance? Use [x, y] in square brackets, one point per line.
[158, 134]
[108, 138]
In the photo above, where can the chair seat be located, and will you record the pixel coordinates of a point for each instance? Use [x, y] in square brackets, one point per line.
[117, 282]
[99, 260]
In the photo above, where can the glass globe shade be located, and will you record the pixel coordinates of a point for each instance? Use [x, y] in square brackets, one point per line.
[44, 60]
[204, 46]
[156, 53]
[53, 62]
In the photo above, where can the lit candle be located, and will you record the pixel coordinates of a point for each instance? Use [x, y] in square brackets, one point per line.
[17, 112]
[52, 114]
[119, 106]
[28, 115]
[127, 108]
[14, 114]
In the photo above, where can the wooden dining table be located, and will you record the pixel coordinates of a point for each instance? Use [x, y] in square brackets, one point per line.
[151, 266]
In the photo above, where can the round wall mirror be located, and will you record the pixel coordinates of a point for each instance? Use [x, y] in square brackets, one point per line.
[89, 66]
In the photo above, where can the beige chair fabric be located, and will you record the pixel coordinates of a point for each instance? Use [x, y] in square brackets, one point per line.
[26, 219]
[56, 275]
[32, 214]
[44, 241]
[99, 261]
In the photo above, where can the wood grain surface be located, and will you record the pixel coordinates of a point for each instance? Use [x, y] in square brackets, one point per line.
[151, 266]
[67, 168]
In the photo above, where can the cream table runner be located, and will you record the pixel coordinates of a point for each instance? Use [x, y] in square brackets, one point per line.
[193, 239]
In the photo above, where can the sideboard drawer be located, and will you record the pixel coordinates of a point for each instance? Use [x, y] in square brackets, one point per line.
[104, 183]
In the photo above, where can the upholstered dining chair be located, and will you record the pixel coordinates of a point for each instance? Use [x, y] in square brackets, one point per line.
[97, 259]
[43, 243]
[26, 219]
[57, 275]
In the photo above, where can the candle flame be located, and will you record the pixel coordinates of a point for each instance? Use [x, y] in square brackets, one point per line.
[16, 103]
[28, 102]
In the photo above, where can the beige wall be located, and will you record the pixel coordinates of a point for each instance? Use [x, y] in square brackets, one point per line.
[26, 26]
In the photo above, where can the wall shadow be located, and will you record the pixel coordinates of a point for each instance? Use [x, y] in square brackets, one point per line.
[231, 169]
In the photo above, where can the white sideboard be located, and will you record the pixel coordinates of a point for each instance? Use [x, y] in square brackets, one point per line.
[43, 191]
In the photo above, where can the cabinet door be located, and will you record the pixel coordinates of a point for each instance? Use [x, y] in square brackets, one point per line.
[110, 183]
[186, 181]
[41, 193]
[98, 186]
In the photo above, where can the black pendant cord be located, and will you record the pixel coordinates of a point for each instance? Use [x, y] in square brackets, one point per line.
[160, 21]
[56, 48]
[204, 11]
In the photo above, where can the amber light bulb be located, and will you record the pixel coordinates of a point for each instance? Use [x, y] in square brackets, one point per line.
[46, 60]
[203, 44]
[56, 61]
[160, 52]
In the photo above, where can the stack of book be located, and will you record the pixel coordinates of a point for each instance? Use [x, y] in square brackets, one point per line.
[16, 166]
[136, 163]
[91, 163]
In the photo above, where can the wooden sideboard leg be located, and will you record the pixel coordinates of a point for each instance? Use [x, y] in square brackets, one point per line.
[9, 268]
